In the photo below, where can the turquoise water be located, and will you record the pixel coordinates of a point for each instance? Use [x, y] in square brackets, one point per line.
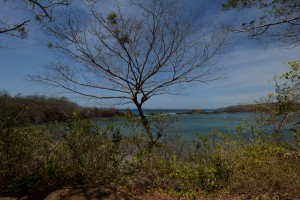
[189, 126]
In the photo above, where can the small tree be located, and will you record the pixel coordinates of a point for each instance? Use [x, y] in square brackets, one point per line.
[132, 57]
[282, 108]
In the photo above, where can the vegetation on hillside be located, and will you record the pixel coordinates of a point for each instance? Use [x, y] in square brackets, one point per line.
[40, 109]
[261, 106]
[239, 108]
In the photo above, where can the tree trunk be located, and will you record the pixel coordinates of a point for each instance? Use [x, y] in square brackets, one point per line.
[147, 127]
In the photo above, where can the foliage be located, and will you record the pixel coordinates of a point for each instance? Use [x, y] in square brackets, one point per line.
[40, 109]
[280, 109]
[262, 167]
[79, 153]
[238, 108]
[21, 152]
[40, 10]
[278, 19]
[71, 153]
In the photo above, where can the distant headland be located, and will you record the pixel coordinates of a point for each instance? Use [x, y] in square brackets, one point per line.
[229, 109]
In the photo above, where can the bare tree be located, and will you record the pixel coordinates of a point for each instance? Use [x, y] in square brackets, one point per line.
[134, 56]
[41, 10]
[279, 20]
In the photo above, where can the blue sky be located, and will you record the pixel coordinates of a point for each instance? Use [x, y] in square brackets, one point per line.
[248, 65]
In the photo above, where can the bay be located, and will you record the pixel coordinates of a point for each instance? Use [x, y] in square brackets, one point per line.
[190, 126]
[193, 125]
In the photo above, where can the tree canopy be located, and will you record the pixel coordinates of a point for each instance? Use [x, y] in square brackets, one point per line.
[41, 10]
[278, 20]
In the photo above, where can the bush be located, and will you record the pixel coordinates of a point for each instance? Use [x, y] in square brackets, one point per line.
[75, 152]
[247, 163]
[22, 152]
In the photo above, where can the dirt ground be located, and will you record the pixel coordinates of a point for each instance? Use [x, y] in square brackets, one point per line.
[81, 193]
[84, 193]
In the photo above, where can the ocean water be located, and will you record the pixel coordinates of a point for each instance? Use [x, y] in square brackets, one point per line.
[189, 126]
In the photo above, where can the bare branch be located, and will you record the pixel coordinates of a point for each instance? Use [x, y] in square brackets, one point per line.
[278, 21]
[14, 28]
[40, 9]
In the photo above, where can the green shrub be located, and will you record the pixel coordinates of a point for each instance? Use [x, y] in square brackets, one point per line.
[22, 151]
